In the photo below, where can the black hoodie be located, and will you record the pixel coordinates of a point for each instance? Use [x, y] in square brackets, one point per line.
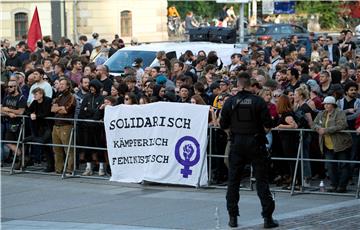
[91, 103]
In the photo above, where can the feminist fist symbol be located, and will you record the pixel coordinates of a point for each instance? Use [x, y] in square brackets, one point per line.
[188, 151]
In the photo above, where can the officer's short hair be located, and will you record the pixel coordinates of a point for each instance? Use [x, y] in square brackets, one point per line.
[243, 79]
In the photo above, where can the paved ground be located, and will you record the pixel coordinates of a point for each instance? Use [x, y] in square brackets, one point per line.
[42, 202]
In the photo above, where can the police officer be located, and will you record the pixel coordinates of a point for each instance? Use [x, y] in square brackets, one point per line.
[247, 117]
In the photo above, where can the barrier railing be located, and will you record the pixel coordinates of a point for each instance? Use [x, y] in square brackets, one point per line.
[72, 144]
[299, 159]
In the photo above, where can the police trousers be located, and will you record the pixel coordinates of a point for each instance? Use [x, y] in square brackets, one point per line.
[246, 149]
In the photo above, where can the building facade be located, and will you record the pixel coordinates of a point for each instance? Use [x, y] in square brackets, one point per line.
[142, 19]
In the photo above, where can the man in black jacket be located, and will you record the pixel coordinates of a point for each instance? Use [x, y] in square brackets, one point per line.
[41, 128]
[332, 49]
[248, 119]
[90, 109]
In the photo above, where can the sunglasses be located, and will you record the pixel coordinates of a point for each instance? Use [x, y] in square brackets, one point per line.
[46, 78]
[11, 86]
[126, 98]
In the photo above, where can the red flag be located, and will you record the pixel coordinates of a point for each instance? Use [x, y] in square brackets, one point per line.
[34, 33]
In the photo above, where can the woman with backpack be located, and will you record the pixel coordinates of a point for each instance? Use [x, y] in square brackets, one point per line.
[303, 114]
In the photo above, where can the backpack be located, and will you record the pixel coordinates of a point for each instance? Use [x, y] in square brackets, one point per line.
[300, 119]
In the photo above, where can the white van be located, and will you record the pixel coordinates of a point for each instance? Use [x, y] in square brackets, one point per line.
[125, 56]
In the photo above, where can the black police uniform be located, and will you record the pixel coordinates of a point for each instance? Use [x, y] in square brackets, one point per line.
[246, 115]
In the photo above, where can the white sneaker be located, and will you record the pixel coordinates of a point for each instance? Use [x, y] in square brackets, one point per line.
[101, 172]
[88, 172]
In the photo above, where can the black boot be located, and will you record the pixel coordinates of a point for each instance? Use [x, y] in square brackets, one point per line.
[270, 223]
[233, 221]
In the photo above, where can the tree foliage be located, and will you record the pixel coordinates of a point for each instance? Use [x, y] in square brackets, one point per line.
[329, 11]
[205, 9]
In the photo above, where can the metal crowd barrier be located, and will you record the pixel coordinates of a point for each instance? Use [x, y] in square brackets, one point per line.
[72, 144]
[299, 159]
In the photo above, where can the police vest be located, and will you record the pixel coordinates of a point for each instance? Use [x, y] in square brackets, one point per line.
[243, 117]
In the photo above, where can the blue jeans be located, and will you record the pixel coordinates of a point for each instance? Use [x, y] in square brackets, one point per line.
[338, 172]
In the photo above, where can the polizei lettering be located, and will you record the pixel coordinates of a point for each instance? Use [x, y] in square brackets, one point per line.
[149, 122]
[161, 159]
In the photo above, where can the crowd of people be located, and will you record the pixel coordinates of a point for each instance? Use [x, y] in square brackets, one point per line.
[316, 88]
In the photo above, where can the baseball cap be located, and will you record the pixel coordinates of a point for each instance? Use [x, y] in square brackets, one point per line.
[329, 100]
[19, 73]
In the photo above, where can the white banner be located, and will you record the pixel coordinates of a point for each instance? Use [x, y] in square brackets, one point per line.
[161, 142]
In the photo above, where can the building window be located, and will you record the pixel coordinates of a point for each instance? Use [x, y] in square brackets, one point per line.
[21, 25]
[126, 24]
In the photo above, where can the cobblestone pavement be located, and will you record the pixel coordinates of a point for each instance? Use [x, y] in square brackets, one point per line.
[341, 218]
[44, 202]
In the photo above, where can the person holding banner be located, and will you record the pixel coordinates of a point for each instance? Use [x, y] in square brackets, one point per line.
[248, 119]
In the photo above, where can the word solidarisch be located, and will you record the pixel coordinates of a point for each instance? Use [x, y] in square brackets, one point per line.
[148, 122]
[162, 159]
[121, 143]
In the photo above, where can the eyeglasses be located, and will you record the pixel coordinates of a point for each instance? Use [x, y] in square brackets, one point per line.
[322, 40]
[11, 86]
[276, 95]
[46, 78]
